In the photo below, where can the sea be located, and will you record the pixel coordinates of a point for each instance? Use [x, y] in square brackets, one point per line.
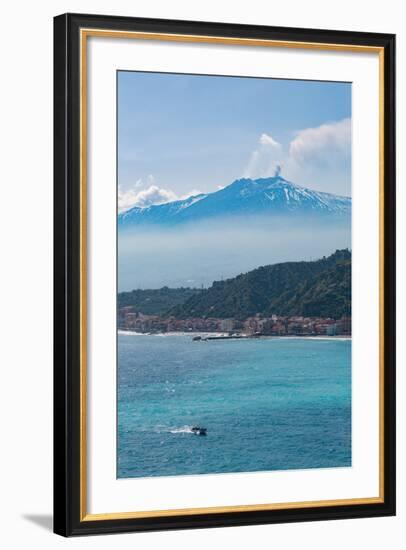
[267, 404]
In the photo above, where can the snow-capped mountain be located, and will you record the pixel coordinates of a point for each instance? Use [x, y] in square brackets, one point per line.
[157, 213]
[273, 197]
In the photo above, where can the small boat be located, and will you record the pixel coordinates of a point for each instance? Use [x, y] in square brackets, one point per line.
[196, 338]
[197, 430]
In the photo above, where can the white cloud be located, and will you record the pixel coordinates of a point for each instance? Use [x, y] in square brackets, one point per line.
[153, 194]
[126, 199]
[318, 157]
[266, 139]
[323, 143]
[265, 159]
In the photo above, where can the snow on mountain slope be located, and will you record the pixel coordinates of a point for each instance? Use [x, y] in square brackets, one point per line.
[272, 196]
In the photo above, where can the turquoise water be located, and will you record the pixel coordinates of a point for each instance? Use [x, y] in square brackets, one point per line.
[267, 404]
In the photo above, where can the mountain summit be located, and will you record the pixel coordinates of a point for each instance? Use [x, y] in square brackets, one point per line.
[272, 196]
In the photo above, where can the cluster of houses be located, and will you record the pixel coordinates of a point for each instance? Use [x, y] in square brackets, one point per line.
[275, 325]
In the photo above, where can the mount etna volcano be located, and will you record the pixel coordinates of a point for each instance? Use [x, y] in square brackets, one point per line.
[251, 222]
[272, 197]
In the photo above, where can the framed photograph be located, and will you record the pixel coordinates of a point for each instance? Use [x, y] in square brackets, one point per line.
[224, 274]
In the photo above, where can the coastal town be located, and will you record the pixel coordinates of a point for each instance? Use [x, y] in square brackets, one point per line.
[131, 320]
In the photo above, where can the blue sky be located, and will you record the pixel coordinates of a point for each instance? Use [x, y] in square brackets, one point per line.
[183, 134]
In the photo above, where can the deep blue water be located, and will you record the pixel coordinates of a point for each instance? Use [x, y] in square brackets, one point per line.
[267, 404]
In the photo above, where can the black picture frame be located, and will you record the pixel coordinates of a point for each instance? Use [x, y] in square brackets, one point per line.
[68, 519]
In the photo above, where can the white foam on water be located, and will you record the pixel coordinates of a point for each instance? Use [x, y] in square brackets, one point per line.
[182, 430]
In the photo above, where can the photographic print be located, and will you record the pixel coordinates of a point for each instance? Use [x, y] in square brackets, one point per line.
[224, 255]
[234, 274]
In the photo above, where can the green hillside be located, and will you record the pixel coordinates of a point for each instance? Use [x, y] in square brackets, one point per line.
[156, 301]
[316, 288]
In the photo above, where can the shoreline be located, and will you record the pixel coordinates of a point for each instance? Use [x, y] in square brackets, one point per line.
[225, 336]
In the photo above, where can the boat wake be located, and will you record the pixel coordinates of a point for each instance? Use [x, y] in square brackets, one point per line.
[182, 430]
